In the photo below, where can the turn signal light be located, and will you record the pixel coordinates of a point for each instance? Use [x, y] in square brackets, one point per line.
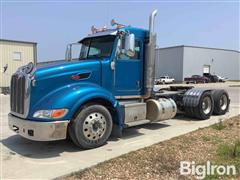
[58, 113]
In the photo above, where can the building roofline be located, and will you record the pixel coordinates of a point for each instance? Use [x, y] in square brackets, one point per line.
[17, 41]
[170, 47]
[200, 47]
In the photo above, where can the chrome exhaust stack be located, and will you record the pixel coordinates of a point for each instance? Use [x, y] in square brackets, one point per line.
[149, 67]
[152, 25]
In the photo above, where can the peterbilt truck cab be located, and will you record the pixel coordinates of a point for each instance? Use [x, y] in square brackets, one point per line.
[106, 87]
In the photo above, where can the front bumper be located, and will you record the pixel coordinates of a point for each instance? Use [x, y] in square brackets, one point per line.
[38, 131]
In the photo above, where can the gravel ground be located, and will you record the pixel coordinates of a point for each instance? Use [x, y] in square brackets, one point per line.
[162, 161]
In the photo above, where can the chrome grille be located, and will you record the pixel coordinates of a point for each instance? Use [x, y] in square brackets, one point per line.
[18, 92]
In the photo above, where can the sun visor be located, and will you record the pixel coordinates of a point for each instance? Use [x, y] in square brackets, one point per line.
[98, 34]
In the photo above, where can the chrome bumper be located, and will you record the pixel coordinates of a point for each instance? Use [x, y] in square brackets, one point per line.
[38, 131]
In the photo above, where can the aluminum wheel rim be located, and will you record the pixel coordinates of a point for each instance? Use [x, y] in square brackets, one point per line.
[207, 105]
[94, 126]
[223, 102]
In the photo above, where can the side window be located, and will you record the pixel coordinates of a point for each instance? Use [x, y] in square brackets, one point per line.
[17, 56]
[137, 54]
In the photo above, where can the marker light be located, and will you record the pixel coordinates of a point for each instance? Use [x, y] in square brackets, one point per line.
[48, 114]
[58, 113]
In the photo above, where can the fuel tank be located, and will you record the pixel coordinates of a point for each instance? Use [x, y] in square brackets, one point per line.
[161, 109]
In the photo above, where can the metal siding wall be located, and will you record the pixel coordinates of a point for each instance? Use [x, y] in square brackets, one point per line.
[169, 62]
[6, 50]
[225, 63]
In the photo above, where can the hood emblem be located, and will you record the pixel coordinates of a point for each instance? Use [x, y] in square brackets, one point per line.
[81, 76]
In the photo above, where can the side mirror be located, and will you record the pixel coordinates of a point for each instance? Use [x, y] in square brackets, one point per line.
[130, 45]
[68, 54]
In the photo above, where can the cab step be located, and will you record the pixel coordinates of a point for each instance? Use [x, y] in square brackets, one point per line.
[136, 123]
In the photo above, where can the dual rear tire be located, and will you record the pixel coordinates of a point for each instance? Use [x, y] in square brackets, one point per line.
[204, 109]
[211, 102]
[221, 102]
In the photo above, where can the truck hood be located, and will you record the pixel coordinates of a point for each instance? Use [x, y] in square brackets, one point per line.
[50, 77]
[60, 69]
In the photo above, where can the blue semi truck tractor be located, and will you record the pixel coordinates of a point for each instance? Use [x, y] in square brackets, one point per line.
[106, 88]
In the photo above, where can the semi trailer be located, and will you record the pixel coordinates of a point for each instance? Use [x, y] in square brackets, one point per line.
[106, 88]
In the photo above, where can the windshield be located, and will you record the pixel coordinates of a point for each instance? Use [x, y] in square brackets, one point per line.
[98, 47]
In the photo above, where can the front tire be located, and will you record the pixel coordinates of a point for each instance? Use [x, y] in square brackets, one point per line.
[91, 127]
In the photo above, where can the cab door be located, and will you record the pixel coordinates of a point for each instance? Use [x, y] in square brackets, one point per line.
[129, 72]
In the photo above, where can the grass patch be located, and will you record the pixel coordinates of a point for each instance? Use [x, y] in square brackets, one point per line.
[206, 138]
[219, 126]
[216, 140]
[226, 151]
[227, 154]
[212, 139]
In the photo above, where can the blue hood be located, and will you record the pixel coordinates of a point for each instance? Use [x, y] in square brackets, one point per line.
[61, 68]
[50, 77]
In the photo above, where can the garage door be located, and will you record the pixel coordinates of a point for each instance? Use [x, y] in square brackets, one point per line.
[206, 69]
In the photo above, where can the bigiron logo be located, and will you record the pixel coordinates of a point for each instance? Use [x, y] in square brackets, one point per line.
[201, 171]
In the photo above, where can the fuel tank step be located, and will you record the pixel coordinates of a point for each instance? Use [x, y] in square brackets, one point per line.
[136, 123]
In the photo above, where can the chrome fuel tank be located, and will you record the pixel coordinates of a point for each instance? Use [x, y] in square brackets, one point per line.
[161, 109]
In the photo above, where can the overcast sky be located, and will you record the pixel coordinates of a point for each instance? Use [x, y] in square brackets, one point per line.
[54, 24]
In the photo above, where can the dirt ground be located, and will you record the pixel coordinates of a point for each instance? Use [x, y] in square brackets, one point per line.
[219, 143]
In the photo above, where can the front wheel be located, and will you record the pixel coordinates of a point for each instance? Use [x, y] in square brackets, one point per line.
[91, 127]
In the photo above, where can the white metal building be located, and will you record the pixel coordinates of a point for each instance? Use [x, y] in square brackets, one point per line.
[184, 61]
[14, 54]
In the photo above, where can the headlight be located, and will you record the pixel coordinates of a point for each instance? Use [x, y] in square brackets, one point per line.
[50, 114]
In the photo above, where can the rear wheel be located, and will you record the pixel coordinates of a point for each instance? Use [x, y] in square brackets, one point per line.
[204, 109]
[221, 101]
[91, 127]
